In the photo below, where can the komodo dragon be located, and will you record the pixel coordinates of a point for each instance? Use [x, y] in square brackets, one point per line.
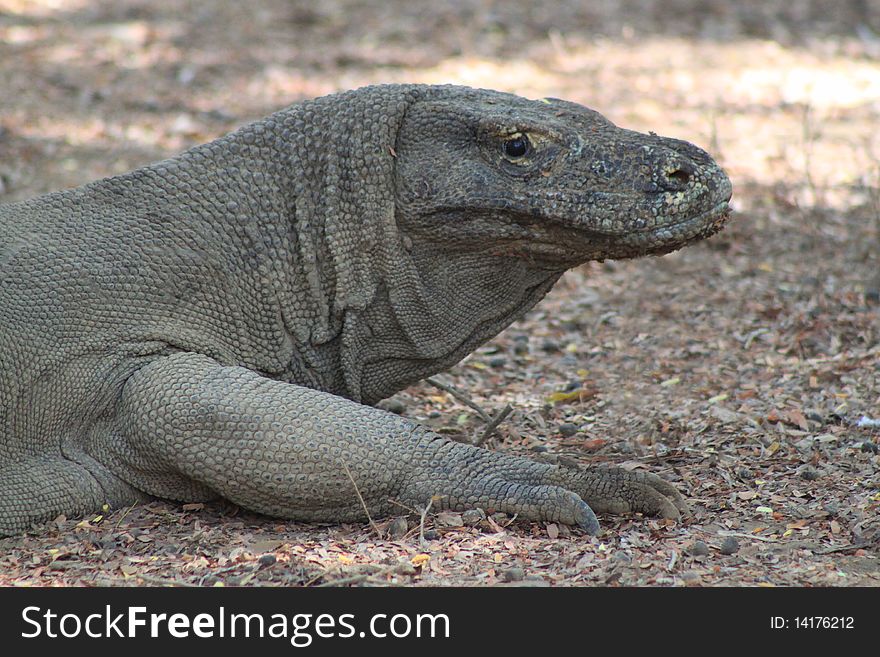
[219, 324]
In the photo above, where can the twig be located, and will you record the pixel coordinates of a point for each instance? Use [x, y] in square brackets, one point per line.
[844, 548]
[125, 513]
[363, 504]
[766, 539]
[403, 506]
[498, 419]
[161, 581]
[422, 542]
[398, 568]
[460, 396]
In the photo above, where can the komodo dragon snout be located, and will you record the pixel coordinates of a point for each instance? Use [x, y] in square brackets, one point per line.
[221, 323]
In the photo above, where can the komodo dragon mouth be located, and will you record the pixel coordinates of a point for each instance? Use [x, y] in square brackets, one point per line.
[670, 237]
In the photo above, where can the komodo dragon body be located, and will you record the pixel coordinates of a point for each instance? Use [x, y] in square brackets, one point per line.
[219, 324]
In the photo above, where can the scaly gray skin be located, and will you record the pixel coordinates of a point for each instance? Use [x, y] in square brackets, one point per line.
[218, 324]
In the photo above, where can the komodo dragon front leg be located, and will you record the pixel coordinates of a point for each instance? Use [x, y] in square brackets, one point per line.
[188, 426]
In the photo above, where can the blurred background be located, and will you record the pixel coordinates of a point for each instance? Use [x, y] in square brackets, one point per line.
[785, 92]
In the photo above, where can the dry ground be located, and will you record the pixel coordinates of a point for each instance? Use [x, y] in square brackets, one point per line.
[746, 369]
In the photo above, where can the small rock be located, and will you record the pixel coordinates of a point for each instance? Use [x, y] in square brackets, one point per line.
[568, 429]
[808, 472]
[473, 517]
[815, 416]
[497, 361]
[267, 560]
[394, 406]
[431, 534]
[549, 346]
[513, 574]
[621, 557]
[697, 549]
[729, 545]
[500, 518]
[397, 528]
[872, 295]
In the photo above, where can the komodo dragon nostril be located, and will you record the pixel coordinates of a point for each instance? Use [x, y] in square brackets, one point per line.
[676, 176]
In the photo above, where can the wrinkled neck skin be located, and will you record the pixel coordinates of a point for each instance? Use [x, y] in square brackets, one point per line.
[435, 307]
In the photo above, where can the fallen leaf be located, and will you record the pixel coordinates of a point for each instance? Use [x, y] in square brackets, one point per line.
[420, 559]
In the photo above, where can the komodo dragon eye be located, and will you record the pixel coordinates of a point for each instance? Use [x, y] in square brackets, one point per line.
[516, 146]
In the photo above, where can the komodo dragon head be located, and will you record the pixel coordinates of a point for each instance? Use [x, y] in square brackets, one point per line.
[550, 181]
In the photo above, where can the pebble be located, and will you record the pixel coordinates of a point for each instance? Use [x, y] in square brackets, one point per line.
[697, 549]
[398, 528]
[431, 534]
[568, 429]
[513, 574]
[497, 361]
[549, 346]
[395, 406]
[868, 446]
[729, 545]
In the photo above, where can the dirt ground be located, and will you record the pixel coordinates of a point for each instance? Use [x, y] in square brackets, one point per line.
[745, 369]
